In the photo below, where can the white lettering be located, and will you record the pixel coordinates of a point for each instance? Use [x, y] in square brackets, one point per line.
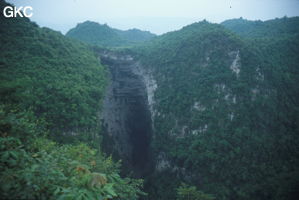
[25, 11]
[8, 13]
[18, 11]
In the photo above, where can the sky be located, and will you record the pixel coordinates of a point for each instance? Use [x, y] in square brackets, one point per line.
[157, 16]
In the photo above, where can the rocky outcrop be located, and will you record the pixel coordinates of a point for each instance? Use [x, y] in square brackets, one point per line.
[126, 112]
[235, 66]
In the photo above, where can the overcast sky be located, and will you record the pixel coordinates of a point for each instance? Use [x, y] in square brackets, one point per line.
[157, 16]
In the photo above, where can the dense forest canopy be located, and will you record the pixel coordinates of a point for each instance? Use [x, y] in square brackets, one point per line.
[272, 28]
[60, 80]
[225, 110]
[51, 90]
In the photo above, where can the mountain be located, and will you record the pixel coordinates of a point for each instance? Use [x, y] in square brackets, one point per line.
[135, 35]
[258, 29]
[39, 72]
[103, 35]
[207, 112]
[51, 90]
[225, 113]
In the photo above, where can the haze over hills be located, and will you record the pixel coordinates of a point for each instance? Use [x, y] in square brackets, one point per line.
[270, 28]
[103, 35]
[155, 15]
[210, 111]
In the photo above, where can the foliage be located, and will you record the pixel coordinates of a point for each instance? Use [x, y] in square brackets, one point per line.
[231, 133]
[58, 79]
[53, 86]
[271, 28]
[46, 170]
[103, 35]
[226, 111]
[185, 192]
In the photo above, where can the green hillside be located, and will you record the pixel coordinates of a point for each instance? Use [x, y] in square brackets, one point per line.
[135, 35]
[102, 35]
[51, 89]
[60, 80]
[226, 113]
[259, 29]
[223, 100]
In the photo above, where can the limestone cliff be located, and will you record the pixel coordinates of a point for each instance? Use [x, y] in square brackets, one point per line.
[127, 111]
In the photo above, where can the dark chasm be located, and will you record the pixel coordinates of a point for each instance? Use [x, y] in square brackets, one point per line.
[126, 117]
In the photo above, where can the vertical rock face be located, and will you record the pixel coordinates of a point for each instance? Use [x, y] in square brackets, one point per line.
[126, 113]
[150, 87]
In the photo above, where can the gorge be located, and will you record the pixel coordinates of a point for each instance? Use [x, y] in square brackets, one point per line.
[206, 112]
[126, 113]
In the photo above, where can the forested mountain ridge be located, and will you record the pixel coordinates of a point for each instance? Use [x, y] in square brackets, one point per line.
[60, 89]
[222, 100]
[225, 112]
[103, 35]
[51, 93]
[259, 29]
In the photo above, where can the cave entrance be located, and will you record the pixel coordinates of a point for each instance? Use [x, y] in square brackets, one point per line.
[126, 115]
[139, 131]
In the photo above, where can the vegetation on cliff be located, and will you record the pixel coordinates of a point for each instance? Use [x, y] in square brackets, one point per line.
[51, 89]
[226, 110]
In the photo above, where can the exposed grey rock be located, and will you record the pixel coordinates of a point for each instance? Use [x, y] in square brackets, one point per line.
[162, 163]
[235, 66]
[150, 86]
[198, 106]
[126, 112]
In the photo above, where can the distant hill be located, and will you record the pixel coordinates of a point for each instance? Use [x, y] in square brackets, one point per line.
[223, 100]
[271, 28]
[103, 35]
